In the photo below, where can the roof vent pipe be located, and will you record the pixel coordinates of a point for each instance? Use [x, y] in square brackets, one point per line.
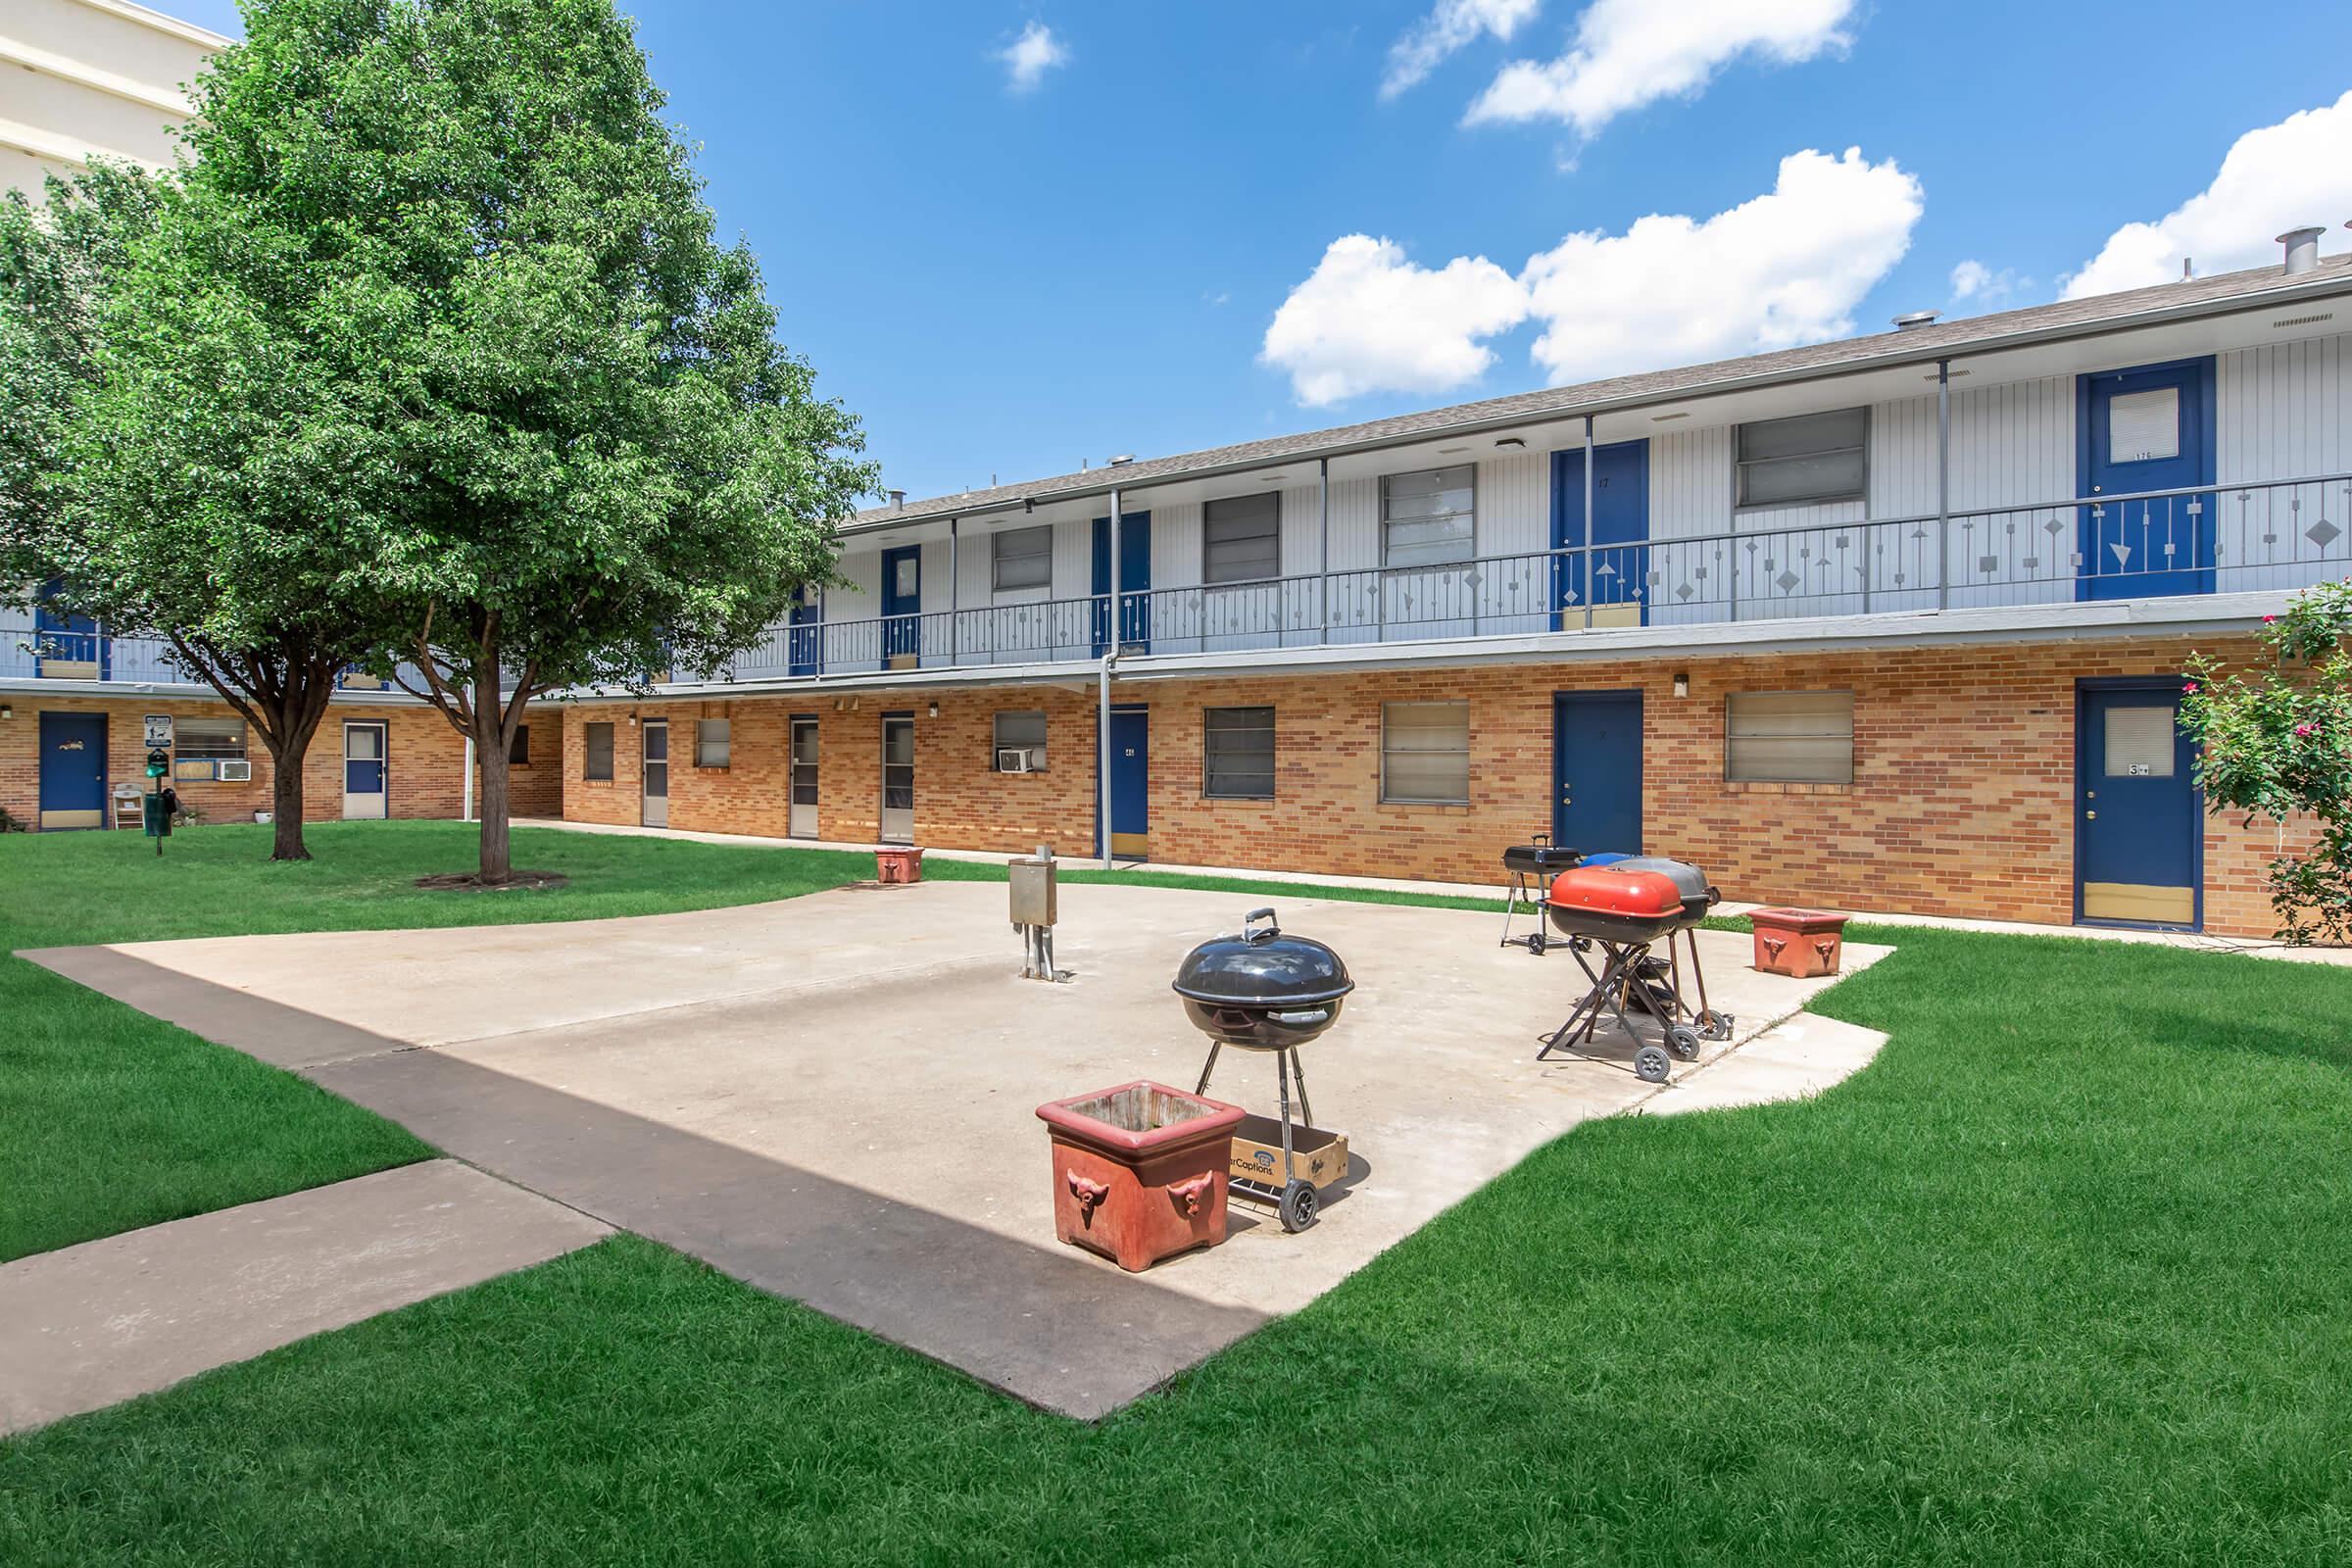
[2302, 250]
[898, 500]
[1910, 321]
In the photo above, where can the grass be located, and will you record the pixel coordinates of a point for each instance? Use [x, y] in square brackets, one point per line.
[2060, 1279]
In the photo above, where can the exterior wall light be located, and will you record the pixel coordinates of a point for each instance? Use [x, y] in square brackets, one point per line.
[934, 710]
[1681, 683]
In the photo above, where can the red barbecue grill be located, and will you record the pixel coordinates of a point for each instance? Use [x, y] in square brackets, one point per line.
[1626, 908]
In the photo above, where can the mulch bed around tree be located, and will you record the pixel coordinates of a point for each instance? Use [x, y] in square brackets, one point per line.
[470, 882]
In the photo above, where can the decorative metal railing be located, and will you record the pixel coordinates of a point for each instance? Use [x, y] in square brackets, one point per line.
[2271, 534]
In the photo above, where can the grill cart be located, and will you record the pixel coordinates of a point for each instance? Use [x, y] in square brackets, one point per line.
[1258, 989]
[1626, 908]
[1531, 867]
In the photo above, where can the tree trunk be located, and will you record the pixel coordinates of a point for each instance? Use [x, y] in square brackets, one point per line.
[285, 802]
[490, 757]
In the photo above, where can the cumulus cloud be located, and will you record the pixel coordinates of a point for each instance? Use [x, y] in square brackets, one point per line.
[1452, 27]
[1975, 284]
[1628, 53]
[1366, 320]
[2272, 180]
[1029, 57]
[1785, 267]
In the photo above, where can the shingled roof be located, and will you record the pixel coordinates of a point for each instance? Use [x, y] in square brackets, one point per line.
[2067, 317]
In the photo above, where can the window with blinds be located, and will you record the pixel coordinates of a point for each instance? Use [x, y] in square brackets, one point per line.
[1236, 754]
[597, 750]
[1425, 754]
[1788, 738]
[1429, 517]
[1810, 458]
[1241, 538]
[713, 742]
[1024, 559]
[1020, 731]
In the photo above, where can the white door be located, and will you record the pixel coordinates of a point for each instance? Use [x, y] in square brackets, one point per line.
[364, 786]
[801, 819]
[897, 779]
[657, 773]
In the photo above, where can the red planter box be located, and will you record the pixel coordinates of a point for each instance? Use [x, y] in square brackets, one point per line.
[1140, 1170]
[1801, 944]
[899, 865]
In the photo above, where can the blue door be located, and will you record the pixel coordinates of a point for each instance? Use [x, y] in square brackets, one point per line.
[2138, 848]
[1131, 783]
[72, 770]
[66, 646]
[804, 628]
[1135, 582]
[1597, 771]
[902, 603]
[1612, 581]
[2146, 429]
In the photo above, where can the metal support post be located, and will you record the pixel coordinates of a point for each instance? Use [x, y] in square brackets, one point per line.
[1943, 484]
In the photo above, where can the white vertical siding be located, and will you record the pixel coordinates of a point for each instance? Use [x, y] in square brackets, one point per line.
[2284, 411]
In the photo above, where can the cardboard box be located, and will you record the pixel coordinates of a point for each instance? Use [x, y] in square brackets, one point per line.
[1317, 1156]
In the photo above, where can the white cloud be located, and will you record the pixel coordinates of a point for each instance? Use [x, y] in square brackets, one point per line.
[1453, 25]
[2272, 180]
[1029, 57]
[1628, 53]
[1368, 320]
[1785, 267]
[1975, 283]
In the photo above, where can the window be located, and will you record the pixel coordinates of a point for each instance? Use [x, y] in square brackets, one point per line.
[518, 749]
[2143, 427]
[1241, 539]
[711, 743]
[1236, 754]
[1425, 752]
[1024, 559]
[1427, 518]
[2139, 742]
[1813, 457]
[599, 752]
[200, 746]
[1022, 732]
[1788, 738]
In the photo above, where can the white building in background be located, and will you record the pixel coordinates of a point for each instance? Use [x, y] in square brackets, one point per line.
[92, 78]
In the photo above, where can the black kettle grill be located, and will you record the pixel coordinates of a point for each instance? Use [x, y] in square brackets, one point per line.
[1263, 991]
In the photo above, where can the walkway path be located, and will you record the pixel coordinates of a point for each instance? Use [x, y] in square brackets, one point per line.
[87, 1326]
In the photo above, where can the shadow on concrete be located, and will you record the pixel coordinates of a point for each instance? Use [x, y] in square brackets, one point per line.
[1040, 1322]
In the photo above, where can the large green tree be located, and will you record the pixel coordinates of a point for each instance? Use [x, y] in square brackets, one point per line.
[164, 463]
[577, 455]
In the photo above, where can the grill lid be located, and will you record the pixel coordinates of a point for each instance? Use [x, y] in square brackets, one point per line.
[1260, 967]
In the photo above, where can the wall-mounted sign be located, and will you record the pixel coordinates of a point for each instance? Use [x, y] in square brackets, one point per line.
[158, 731]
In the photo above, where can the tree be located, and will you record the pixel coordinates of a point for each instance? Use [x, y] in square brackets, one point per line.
[585, 458]
[165, 467]
[2277, 741]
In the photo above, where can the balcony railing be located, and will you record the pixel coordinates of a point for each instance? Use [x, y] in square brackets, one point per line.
[2275, 534]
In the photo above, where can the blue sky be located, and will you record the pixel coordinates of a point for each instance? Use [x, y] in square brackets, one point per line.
[1006, 274]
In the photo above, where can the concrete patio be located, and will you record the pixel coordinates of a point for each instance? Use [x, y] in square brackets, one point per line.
[832, 1097]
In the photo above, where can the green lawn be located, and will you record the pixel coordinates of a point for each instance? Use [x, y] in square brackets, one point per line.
[2061, 1279]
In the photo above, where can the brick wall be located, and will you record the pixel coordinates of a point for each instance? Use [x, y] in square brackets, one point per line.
[1962, 800]
[425, 774]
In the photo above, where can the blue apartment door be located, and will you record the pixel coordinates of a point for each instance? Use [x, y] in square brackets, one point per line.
[72, 770]
[1131, 783]
[1135, 582]
[2138, 839]
[902, 604]
[67, 647]
[1612, 581]
[1597, 771]
[803, 630]
[2150, 428]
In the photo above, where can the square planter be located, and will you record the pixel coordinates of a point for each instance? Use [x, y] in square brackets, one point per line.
[1801, 944]
[899, 865]
[1139, 1171]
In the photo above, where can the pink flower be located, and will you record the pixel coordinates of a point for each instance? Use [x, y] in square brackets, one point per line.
[2191, 688]
[2306, 729]
[2268, 619]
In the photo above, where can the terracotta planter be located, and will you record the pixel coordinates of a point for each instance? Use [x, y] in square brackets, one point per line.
[899, 865]
[1801, 944]
[1139, 1171]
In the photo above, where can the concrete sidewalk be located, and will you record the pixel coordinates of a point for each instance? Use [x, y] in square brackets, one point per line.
[88, 1326]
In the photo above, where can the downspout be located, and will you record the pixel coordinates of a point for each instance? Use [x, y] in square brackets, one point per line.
[955, 587]
[1111, 659]
[1323, 549]
[1591, 533]
[1943, 484]
[465, 812]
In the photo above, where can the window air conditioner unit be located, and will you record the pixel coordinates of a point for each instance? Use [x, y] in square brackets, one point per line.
[233, 773]
[1016, 760]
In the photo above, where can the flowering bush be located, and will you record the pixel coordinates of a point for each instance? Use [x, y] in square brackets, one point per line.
[2277, 741]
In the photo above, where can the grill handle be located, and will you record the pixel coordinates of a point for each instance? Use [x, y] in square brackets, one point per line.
[1309, 1016]
[1252, 932]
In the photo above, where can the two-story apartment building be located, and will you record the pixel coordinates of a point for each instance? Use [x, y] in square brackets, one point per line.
[104, 78]
[1896, 622]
